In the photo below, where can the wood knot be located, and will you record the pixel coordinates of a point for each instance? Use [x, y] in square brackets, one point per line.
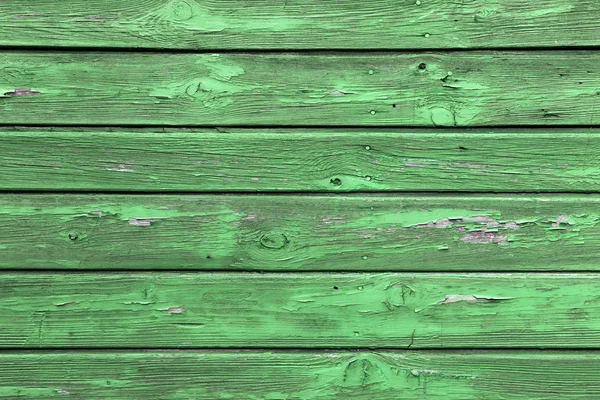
[182, 10]
[274, 240]
[362, 372]
[482, 15]
[76, 237]
[442, 117]
[335, 181]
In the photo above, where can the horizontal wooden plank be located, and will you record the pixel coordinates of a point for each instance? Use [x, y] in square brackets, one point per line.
[377, 89]
[299, 24]
[391, 310]
[410, 375]
[276, 233]
[338, 160]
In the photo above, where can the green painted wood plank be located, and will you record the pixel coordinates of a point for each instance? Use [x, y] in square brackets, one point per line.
[225, 232]
[391, 310]
[339, 160]
[421, 89]
[526, 375]
[299, 24]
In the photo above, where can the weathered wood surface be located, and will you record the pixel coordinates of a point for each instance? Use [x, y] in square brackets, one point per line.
[326, 310]
[250, 89]
[409, 375]
[398, 273]
[299, 24]
[284, 160]
[277, 233]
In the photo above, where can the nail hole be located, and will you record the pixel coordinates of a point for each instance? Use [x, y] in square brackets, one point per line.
[422, 66]
[393, 105]
[367, 147]
[462, 147]
[335, 288]
[209, 256]
[336, 182]
[73, 236]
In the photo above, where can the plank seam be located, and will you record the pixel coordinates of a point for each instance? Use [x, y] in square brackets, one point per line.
[290, 127]
[266, 272]
[308, 350]
[194, 129]
[288, 350]
[449, 50]
[307, 193]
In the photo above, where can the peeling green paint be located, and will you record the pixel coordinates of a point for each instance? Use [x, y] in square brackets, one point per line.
[308, 232]
[395, 274]
[299, 24]
[326, 310]
[456, 89]
[366, 160]
[456, 375]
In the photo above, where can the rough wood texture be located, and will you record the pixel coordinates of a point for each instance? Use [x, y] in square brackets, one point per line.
[172, 310]
[422, 89]
[301, 376]
[396, 273]
[299, 24]
[230, 160]
[414, 232]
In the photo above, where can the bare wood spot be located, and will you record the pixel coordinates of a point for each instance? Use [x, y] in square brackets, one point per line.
[142, 221]
[122, 168]
[22, 92]
[173, 310]
[70, 303]
[439, 224]
[469, 298]
[480, 237]
[561, 219]
[340, 92]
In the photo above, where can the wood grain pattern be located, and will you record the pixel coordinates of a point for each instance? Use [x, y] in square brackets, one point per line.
[409, 375]
[277, 233]
[299, 24]
[297, 160]
[301, 295]
[207, 310]
[250, 89]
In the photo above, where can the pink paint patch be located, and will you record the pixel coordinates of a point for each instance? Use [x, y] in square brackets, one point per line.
[22, 92]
